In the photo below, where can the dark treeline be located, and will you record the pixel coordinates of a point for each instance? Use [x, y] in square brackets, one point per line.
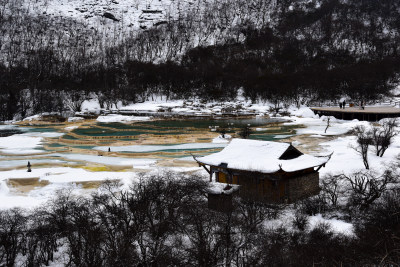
[163, 220]
[298, 51]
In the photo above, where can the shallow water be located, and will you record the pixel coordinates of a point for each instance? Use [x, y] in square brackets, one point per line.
[8, 132]
[186, 137]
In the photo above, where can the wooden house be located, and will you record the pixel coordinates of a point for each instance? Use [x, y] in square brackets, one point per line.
[265, 171]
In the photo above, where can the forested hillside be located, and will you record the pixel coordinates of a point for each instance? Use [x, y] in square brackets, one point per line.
[274, 50]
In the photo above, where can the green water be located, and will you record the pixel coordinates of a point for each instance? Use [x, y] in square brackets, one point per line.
[67, 136]
[84, 147]
[56, 145]
[35, 129]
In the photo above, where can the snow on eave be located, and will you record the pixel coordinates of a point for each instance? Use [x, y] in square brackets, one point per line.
[323, 161]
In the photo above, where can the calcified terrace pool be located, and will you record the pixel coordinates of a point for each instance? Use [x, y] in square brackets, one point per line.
[173, 127]
[121, 144]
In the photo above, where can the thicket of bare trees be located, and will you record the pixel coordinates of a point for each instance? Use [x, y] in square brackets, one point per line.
[274, 50]
[378, 136]
[163, 220]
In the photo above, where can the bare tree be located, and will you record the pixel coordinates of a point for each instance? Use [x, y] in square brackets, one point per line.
[328, 123]
[367, 186]
[12, 227]
[331, 188]
[364, 139]
[74, 100]
[382, 136]
[245, 132]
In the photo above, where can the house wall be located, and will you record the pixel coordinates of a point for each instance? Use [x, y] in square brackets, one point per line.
[223, 178]
[287, 187]
[303, 186]
[261, 189]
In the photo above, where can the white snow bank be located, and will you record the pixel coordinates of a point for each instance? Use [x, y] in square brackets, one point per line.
[43, 134]
[9, 201]
[153, 105]
[91, 105]
[64, 175]
[304, 112]
[346, 160]
[34, 117]
[70, 128]
[318, 125]
[135, 162]
[4, 188]
[20, 144]
[338, 226]
[282, 136]
[75, 119]
[331, 118]
[219, 139]
[121, 118]
[37, 197]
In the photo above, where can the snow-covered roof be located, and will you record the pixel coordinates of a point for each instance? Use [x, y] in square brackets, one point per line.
[260, 156]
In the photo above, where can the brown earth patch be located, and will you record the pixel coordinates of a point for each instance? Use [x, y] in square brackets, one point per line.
[25, 185]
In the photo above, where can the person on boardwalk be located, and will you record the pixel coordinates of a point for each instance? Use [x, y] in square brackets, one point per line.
[342, 102]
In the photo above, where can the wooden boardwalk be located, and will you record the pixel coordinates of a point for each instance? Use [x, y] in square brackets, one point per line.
[350, 113]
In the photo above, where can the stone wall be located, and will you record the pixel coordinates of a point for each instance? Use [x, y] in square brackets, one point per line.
[303, 186]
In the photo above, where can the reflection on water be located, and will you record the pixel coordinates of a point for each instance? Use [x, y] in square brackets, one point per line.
[9, 132]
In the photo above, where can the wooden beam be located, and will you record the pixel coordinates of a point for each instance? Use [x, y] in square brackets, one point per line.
[209, 171]
[323, 165]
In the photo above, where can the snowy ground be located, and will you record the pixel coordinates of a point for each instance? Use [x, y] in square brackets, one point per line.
[19, 144]
[178, 107]
[344, 158]
[129, 14]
